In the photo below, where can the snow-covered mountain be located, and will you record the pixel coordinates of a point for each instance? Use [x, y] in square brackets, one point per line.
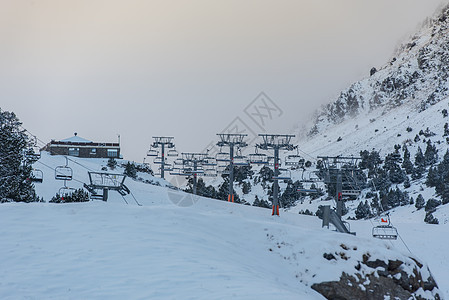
[206, 250]
[373, 111]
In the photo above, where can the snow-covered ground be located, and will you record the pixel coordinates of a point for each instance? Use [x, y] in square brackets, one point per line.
[209, 250]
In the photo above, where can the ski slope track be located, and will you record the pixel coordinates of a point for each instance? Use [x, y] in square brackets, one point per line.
[210, 250]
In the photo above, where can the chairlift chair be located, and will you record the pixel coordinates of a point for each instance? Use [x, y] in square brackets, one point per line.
[152, 153]
[271, 161]
[176, 171]
[294, 160]
[240, 160]
[210, 172]
[172, 153]
[222, 157]
[158, 160]
[198, 171]
[284, 174]
[209, 161]
[223, 170]
[168, 167]
[63, 173]
[258, 158]
[65, 191]
[385, 231]
[37, 176]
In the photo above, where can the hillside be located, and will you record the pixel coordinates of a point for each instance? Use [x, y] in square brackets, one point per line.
[159, 250]
[373, 111]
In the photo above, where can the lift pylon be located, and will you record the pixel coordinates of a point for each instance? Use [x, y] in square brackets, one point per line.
[231, 140]
[192, 164]
[276, 142]
[162, 142]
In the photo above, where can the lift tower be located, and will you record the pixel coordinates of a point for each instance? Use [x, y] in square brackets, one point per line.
[192, 165]
[231, 140]
[342, 172]
[162, 142]
[276, 142]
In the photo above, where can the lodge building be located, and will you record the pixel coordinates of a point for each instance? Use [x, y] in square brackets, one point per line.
[80, 147]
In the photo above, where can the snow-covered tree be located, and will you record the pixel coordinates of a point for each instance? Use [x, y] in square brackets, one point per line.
[130, 170]
[420, 202]
[15, 168]
[363, 210]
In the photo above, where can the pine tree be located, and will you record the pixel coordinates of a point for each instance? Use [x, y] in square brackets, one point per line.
[407, 165]
[261, 203]
[15, 168]
[246, 187]
[432, 204]
[420, 160]
[130, 170]
[430, 219]
[431, 154]
[446, 130]
[112, 163]
[433, 178]
[420, 164]
[420, 202]
[363, 210]
[407, 182]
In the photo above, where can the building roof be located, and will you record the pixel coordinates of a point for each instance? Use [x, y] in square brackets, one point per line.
[76, 139]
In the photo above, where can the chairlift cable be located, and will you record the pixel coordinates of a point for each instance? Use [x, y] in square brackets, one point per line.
[404, 243]
[54, 169]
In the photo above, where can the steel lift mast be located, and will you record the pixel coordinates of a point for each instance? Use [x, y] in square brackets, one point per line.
[163, 142]
[231, 140]
[193, 166]
[341, 166]
[276, 142]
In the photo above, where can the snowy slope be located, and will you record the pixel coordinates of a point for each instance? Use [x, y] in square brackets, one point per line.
[209, 250]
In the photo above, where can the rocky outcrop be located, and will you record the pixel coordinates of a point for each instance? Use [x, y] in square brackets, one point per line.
[378, 279]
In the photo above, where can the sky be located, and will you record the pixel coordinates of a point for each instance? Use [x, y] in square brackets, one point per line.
[188, 69]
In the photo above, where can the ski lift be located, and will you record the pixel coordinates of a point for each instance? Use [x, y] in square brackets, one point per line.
[240, 160]
[153, 153]
[222, 157]
[176, 171]
[209, 161]
[271, 161]
[258, 159]
[65, 191]
[308, 191]
[294, 160]
[210, 172]
[385, 231]
[172, 153]
[284, 174]
[168, 167]
[198, 171]
[223, 170]
[353, 192]
[178, 162]
[64, 172]
[158, 160]
[37, 176]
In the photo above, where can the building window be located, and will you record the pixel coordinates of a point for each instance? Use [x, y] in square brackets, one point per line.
[112, 153]
[74, 151]
[93, 151]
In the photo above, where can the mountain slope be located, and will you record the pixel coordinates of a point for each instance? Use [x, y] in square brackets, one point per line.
[415, 79]
[210, 250]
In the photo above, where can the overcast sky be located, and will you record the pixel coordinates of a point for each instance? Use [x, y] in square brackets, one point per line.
[187, 68]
